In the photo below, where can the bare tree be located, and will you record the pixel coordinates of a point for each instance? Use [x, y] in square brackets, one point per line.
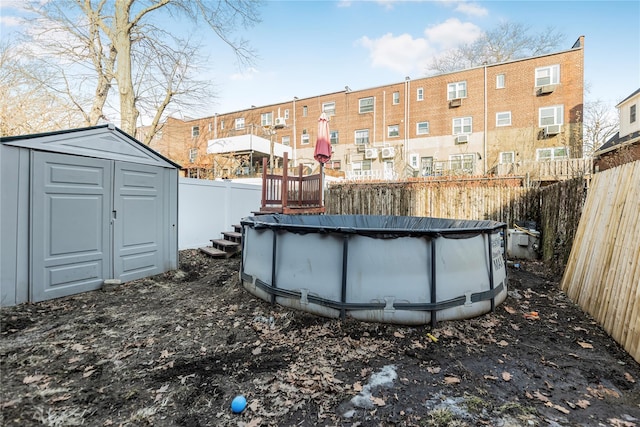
[506, 42]
[601, 122]
[28, 106]
[119, 44]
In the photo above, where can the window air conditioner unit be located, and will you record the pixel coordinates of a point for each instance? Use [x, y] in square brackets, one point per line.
[370, 153]
[546, 89]
[455, 102]
[280, 123]
[550, 130]
[388, 152]
[462, 139]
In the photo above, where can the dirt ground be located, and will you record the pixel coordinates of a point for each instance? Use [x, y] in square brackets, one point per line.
[174, 350]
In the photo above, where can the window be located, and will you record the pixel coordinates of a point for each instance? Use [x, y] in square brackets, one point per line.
[304, 111]
[413, 160]
[462, 125]
[426, 166]
[365, 105]
[305, 139]
[420, 94]
[366, 165]
[632, 113]
[462, 162]
[553, 153]
[362, 136]
[396, 98]
[222, 124]
[286, 114]
[266, 119]
[500, 81]
[334, 137]
[456, 90]
[195, 131]
[393, 130]
[548, 75]
[286, 140]
[422, 128]
[329, 108]
[507, 157]
[333, 164]
[503, 118]
[210, 126]
[551, 115]
[240, 123]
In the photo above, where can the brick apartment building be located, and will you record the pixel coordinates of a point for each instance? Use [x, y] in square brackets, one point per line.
[482, 120]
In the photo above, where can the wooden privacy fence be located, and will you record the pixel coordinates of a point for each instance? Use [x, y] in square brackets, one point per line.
[555, 208]
[603, 271]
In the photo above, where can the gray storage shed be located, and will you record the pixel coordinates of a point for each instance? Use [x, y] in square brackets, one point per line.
[80, 206]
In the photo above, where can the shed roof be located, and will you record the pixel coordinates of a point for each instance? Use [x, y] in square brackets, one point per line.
[103, 141]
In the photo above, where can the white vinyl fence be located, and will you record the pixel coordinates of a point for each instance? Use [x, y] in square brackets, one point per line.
[207, 208]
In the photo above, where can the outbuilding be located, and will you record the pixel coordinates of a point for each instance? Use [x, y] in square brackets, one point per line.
[81, 206]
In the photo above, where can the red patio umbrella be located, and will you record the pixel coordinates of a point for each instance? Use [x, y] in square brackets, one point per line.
[323, 145]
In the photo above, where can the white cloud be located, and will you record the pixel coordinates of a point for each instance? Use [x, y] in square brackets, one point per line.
[10, 21]
[472, 9]
[400, 53]
[406, 54]
[452, 33]
[248, 74]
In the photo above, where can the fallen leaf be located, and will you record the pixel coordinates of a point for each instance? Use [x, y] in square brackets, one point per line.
[502, 343]
[451, 380]
[506, 376]
[617, 422]
[515, 327]
[583, 403]
[398, 334]
[509, 309]
[60, 398]
[378, 401]
[357, 387]
[532, 315]
[32, 379]
[254, 405]
[255, 422]
[88, 373]
[74, 360]
[540, 396]
[78, 347]
[256, 351]
[629, 377]
[584, 344]
[490, 377]
[558, 407]
[433, 369]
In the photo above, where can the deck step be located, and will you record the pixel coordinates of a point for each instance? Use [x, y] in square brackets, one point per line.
[237, 228]
[226, 245]
[232, 236]
[216, 253]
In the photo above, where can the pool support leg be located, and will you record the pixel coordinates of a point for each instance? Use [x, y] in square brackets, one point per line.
[343, 291]
[433, 282]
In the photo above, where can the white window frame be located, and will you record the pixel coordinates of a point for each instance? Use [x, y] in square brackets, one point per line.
[366, 105]
[221, 124]
[266, 119]
[195, 131]
[286, 114]
[420, 94]
[462, 125]
[555, 153]
[414, 161]
[396, 98]
[549, 75]
[305, 111]
[457, 90]
[361, 136]
[506, 154]
[334, 136]
[551, 115]
[633, 113]
[422, 128]
[500, 81]
[393, 131]
[239, 124]
[329, 108]
[503, 118]
[467, 160]
[304, 139]
[286, 140]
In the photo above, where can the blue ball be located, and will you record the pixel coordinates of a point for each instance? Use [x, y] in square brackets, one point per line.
[238, 404]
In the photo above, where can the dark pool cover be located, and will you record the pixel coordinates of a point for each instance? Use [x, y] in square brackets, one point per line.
[378, 225]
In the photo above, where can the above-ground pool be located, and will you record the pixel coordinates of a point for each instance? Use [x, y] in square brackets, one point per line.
[404, 270]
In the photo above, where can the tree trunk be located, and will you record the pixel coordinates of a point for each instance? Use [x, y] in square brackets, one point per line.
[122, 41]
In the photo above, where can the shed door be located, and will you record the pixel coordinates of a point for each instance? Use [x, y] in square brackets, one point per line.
[70, 235]
[138, 218]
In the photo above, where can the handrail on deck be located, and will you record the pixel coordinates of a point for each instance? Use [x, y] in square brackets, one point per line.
[281, 193]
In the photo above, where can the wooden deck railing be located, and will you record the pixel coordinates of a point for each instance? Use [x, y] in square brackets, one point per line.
[550, 170]
[291, 194]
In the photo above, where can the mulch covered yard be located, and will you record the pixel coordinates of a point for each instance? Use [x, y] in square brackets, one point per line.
[174, 350]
